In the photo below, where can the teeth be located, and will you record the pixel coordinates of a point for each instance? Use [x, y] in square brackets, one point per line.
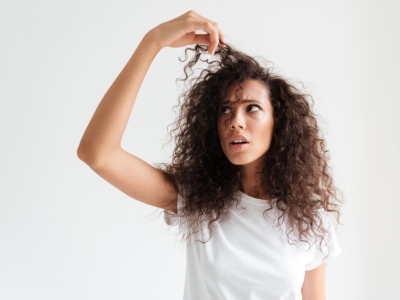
[238, 141]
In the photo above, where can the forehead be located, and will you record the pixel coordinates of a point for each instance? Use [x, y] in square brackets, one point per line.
[250, 90]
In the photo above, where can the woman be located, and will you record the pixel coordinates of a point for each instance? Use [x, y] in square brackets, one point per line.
[248, 186]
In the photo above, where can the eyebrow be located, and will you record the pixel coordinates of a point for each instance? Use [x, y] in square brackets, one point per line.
[229, 102]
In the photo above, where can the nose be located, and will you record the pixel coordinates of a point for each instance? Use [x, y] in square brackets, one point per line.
[237, 121]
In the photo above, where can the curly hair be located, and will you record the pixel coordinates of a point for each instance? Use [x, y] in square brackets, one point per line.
[295, 171]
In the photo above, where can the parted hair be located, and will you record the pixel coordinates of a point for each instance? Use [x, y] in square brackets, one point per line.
[295, 171]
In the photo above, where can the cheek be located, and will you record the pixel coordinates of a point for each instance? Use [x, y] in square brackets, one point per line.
[269, 128]
[264, 131]
[263, 125]
[270, 125]
[221, 129]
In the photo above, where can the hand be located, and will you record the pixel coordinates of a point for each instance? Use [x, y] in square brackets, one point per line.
[180, 32]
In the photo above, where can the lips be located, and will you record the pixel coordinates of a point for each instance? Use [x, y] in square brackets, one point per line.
[238, 143]
[238, 140]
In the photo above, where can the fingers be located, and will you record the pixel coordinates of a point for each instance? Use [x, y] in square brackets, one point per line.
[181, 31]
[222, 39]
[204, 39]
[215, 35]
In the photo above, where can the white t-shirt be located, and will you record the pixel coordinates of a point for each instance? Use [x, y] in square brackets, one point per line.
[249, 257]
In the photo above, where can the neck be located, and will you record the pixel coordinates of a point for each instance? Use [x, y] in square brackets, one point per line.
[252, 183]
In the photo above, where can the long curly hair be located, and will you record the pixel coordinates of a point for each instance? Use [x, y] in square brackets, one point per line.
[295, 171]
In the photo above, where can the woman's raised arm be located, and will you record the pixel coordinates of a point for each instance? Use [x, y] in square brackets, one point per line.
[100, 146]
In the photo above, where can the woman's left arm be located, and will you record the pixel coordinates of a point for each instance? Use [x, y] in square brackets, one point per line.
[314, 284]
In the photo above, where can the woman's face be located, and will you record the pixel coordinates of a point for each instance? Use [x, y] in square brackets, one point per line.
[246, 123]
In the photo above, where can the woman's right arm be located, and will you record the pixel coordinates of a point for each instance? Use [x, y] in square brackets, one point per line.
[100, 146]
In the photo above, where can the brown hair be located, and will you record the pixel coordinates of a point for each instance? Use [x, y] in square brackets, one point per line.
[295, 171]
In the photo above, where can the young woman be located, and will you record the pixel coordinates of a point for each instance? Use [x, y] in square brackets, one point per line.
[249, 184]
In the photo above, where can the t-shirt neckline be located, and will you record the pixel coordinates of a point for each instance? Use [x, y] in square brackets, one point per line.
[255, 200]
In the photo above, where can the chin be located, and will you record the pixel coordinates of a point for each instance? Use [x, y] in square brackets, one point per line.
[240, 161]
[243, 160]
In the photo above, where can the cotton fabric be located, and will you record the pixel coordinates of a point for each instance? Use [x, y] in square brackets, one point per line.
[248, 256]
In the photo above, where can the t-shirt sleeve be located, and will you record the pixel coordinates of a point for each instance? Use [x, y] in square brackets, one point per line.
[171, 218]
[330, 249]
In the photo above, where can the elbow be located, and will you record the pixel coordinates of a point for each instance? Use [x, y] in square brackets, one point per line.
[83, 154]
[94, 158]
[80, 153]
[86, 155]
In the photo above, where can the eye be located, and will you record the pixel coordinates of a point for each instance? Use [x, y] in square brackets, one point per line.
[253, 107]
[224, 110]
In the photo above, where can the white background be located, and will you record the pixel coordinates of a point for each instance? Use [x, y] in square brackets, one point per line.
[65, 233]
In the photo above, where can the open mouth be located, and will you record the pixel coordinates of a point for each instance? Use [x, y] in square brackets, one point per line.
[239, 142]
